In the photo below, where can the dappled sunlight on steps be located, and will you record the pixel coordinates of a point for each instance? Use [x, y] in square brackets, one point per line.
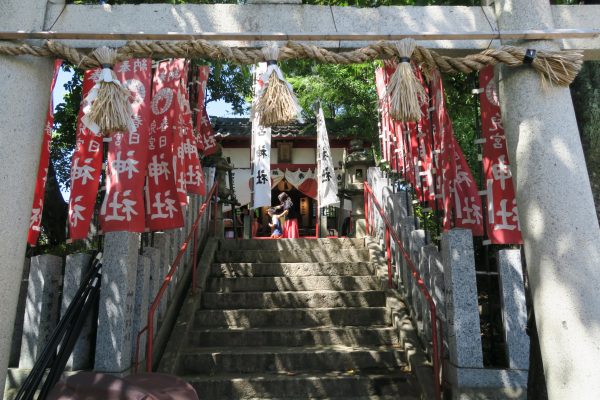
[293, 319]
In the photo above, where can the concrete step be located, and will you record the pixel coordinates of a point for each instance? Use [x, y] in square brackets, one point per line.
[247, 360]
[396, 385]
[303, 256]
[292, 283]
[231, 270]
[291, 244]
[294, 337]
[314, 299]
[297, 318]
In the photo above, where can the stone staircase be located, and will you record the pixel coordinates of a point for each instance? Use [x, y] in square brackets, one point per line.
[291, 319]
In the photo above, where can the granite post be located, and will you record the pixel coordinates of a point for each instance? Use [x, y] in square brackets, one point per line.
[24, 96]
[462, 310]
[117, 295]
[407, 226]
[41, 307]
[417, 241]
[156, 279]
[162, 242]
[514, 310]
[76, 268]
[556, 210]
[15, 352]
[140, 308]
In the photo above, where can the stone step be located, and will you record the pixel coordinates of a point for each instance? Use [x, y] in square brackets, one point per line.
[320, 299]
[297, 318]
[273, 359]
[293, 337]
[292, 283]
[231, 270]
[396, 385]
[291, 244]
[273, 256]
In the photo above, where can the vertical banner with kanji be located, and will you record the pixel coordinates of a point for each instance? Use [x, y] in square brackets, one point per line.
[442, 148]
[326, 178]
[35, 222]
[163, 208]
[380, 82]
[123, 206]
[261, 153]
[206, 135]
[502, 214]
[86, 169]
[194, 177]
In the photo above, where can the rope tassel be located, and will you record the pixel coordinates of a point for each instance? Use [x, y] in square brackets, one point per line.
[405, 90]
[277, 104]
[107, 108]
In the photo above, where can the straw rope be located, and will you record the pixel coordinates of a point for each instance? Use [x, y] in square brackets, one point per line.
[556, 67]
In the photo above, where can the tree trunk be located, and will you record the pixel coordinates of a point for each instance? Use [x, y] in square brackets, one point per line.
[54, 216]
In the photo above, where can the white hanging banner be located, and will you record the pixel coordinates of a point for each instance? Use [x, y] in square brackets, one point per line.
[261, 153]
[327, 180]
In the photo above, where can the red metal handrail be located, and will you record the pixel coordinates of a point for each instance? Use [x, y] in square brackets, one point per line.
[390, 232]
[192, 234]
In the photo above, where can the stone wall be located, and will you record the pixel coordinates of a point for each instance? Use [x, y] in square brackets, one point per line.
[448, 273]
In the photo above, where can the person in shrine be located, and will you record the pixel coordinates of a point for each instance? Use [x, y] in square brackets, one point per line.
[275, 224]
[290, 226]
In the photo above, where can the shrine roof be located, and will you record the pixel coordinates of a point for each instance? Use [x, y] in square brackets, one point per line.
[242, 128]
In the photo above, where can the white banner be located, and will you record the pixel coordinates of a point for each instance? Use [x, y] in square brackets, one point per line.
[261, 153]
[327, 179]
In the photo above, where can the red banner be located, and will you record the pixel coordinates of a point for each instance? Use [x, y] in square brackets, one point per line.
[194, 178]
[200, 82]
[425, 149]
[503, 216]
[123, 205]
[35, 222]
[85, 170]
[443, 148]
[206, 134]
[461, 201]
[163, 206]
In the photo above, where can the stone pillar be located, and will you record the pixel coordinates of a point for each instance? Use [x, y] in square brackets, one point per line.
[162, 242]
[140, 308]
[15, 352]
[41, 307]
[117, 293]
[76, 267]
[462, 310]
[24, 100]
[156, 279]
[514, 310]
[558, 219]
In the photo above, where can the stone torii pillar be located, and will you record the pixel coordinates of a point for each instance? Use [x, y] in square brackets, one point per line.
[24, 95]
[558, 219]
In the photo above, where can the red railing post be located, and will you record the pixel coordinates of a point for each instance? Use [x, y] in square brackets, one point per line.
[388, 253]
[366, 208]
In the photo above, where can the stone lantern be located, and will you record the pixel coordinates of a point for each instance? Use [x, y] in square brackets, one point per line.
[225, 190]
[356, 165]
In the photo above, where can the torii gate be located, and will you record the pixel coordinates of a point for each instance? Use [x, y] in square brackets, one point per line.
[558, 219]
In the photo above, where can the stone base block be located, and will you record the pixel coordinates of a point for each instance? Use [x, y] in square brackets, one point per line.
[486, 383]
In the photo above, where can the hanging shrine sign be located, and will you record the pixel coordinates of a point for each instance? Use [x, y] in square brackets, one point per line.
[261, 153]
[327, 181]
[86, 168]
[35, 221]
[163, 206]
[502, 214]
[123, 206]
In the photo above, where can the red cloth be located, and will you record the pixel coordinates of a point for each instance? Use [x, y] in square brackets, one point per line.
[290, 229]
